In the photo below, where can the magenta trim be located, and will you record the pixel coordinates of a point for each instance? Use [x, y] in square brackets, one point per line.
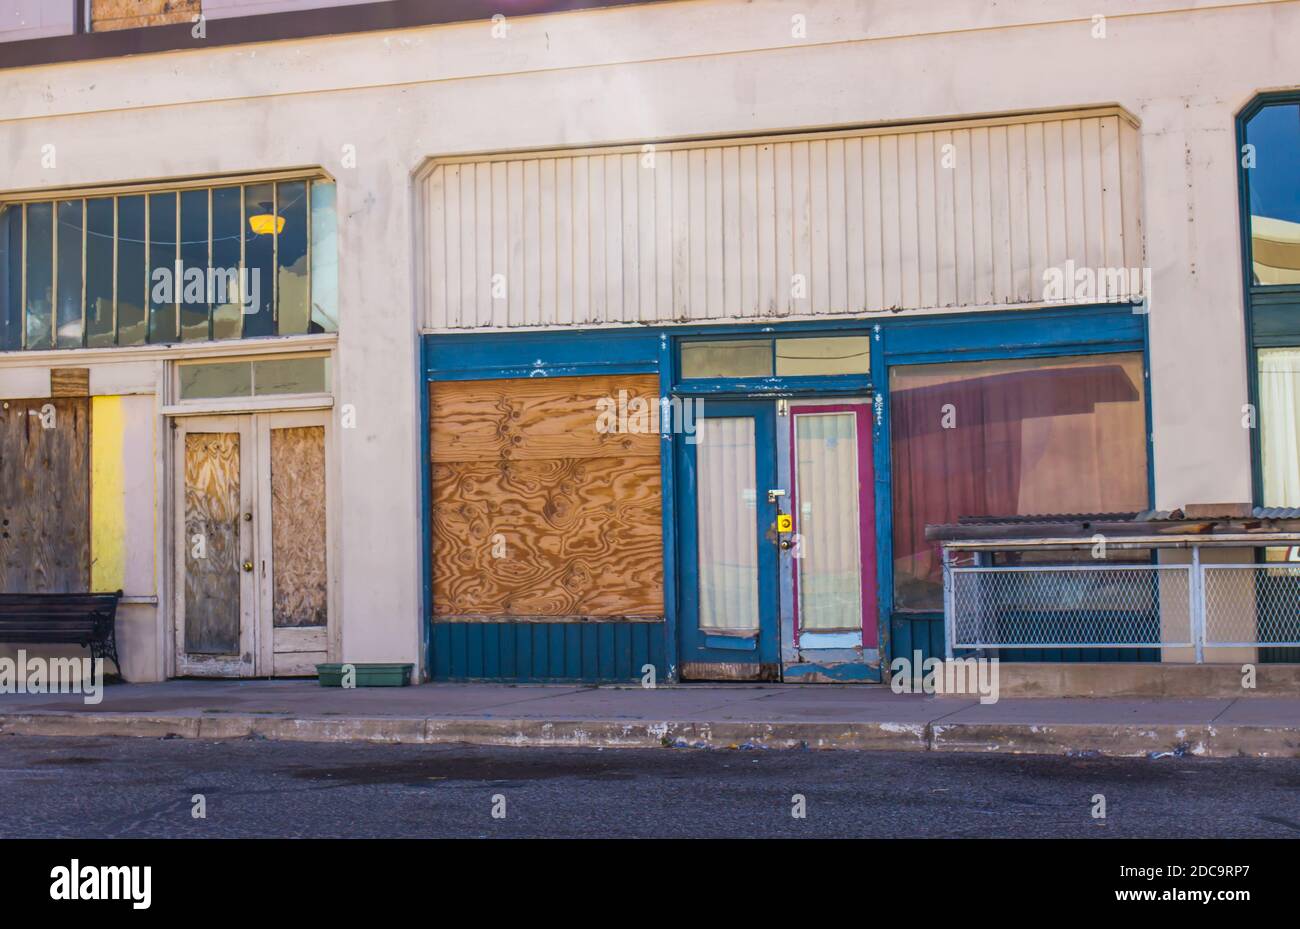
[866, 512]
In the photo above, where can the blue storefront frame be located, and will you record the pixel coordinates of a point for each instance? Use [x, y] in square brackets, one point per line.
[608, 652]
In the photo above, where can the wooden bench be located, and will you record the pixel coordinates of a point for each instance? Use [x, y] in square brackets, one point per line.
[87, 620]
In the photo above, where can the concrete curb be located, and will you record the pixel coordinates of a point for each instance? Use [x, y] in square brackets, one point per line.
[1121, 741]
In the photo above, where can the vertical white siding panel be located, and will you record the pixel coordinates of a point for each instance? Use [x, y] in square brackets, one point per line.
[872, 224]
[837, 227]
[564, 240]
[1040, 255]
[699, 198]
[646, 208]
[890, 227]
[436, 224]
[834, 223]
[945, 216]
[767, 248]
[908, 236]
[1093, 207]
[501, 245]
[515, 286]
[748, 231]
[783, 177]
[1112, 215]
[596, 238]
[468, 247]
[1000, 210]
[1075, 219]
[964, 217]
[1130, 180]
[631, 238]
[982, 216]
[801, 204]
[1018, 197]
[731, 290]
[926, 228]
[1058, 246]
[547, 233]
[532, 244]
[854, 233]
[818, 222]
[662, 178]
[581, 240]
[612, 243]
[451, 236]
[681, 235]
[483, 242]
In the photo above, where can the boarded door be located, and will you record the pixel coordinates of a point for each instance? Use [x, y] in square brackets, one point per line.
[45, 495]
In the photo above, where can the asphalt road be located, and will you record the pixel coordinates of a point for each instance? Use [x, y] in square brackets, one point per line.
[145, 788]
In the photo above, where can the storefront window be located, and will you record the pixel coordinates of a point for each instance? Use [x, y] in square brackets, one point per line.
[1272, 162]
[160, 267]
[1009, 438]
[1279, 405]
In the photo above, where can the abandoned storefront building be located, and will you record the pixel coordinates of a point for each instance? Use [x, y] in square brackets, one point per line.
[653, 340]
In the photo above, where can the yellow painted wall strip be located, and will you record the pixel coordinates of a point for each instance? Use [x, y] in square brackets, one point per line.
[107, 496]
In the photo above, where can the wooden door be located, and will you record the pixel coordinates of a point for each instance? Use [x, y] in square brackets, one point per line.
[293, 561]
[215, 543]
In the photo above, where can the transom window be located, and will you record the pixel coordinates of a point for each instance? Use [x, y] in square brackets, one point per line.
[805, 356]
[163, 266]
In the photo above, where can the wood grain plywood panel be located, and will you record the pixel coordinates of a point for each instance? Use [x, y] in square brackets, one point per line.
[212, 567]
[45, 496]
[569, 537]
[536, 513]
[300, 587]
[539, 419]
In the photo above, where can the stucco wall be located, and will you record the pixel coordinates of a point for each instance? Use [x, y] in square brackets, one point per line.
[372, 108]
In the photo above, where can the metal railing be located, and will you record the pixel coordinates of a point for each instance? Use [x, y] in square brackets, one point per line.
[1122, 606]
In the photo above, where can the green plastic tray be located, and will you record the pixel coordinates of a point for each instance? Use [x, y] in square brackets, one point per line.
[371, 674]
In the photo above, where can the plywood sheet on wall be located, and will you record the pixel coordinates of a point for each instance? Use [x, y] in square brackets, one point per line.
[537, 513]
[45, 495]
[212, 529]
[300, 593]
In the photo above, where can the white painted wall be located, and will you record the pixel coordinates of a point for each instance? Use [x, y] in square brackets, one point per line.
[697, 69]
[34, 19]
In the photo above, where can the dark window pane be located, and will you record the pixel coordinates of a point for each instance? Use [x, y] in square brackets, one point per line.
[227, 236]
[40, 275]
[324, 259]
[1009, 438]
[163, 282]
[260, 223]
[11, 278]
[194, 255]
[1274, 184]
[100, 327]
[223, 379]
[131, 322]
[290, 376]
[293, 312]
[68, 317]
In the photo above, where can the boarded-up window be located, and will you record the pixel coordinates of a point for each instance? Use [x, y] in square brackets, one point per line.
[542, 506]
[45, 495]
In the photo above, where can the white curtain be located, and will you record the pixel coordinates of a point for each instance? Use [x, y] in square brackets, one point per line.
[1279, 400]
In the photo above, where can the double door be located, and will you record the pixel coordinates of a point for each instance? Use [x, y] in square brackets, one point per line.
[777, 538]
[252, 555]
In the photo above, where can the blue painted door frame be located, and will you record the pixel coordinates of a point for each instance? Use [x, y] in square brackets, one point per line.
[696, 645]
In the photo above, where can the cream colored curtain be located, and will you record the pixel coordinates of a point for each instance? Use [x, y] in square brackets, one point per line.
[1279, 401]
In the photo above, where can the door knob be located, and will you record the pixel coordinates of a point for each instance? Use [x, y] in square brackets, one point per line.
[248, 566]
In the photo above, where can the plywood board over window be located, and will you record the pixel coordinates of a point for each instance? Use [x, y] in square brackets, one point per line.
[540, 510]
[45, 495]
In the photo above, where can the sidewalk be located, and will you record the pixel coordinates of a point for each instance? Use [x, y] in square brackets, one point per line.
[703, 716]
